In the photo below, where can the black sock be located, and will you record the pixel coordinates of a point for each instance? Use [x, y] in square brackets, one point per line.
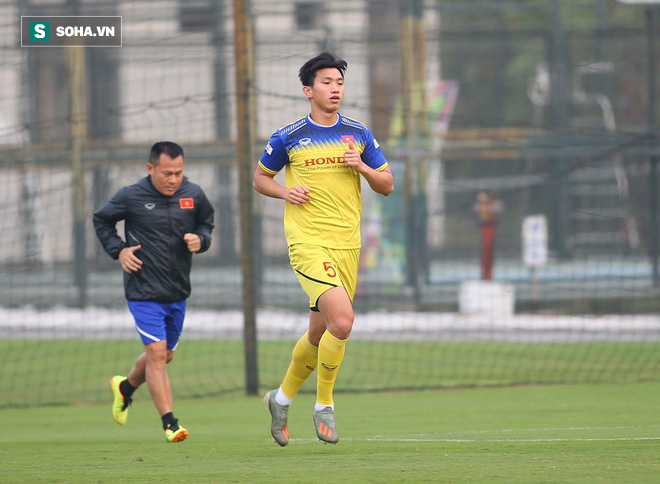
[127, 389]
[169, 420]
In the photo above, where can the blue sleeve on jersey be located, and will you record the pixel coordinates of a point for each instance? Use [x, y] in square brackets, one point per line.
[372, 155]
[275, 156]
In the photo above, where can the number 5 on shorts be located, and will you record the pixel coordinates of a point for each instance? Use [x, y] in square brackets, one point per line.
[327, 267]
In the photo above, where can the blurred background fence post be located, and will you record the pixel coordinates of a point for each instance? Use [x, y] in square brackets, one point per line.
[412, 91]
[246, 139]
[78, 119]
[651, 14]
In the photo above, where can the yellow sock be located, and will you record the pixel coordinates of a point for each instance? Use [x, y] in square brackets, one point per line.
[331, 354]
[303, 362]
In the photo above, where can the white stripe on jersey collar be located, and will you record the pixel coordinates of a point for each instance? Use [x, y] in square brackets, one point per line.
[309, 118]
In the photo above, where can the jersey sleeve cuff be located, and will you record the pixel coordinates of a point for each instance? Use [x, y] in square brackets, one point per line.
[266, 169]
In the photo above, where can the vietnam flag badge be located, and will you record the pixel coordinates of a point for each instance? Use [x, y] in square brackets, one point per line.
[186, 203]
[347, 138]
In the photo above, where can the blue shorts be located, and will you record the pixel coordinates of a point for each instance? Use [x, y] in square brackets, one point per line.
[156, 321]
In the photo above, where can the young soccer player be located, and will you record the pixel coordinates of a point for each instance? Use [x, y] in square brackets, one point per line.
[326, 155]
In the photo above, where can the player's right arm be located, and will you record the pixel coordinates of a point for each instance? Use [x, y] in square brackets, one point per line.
[265, 183]
[105, 223]
[274, 158]
[129, 261]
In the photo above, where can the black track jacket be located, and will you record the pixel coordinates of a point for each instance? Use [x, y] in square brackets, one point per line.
[157, 223]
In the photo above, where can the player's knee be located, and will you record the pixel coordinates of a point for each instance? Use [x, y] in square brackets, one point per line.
[341, 333]
[156, 353]
[341, 327]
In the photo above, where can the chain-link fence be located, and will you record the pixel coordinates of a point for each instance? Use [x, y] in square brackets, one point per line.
[490, 112]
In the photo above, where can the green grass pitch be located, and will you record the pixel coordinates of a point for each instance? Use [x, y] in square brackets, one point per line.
[33, 372]
[556, 433]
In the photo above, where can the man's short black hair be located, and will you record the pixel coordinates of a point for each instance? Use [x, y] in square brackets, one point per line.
[171, 149]
[324, 60]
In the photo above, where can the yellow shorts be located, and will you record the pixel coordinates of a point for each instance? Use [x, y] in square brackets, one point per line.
[320, 268]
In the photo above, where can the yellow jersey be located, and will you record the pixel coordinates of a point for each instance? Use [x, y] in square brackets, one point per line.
[314, 157]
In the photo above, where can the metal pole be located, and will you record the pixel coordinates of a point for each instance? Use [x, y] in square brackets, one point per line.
[412, 55]
[245, 112]
[225, 212]
[559, 95]
[76, 57]
[653, 178]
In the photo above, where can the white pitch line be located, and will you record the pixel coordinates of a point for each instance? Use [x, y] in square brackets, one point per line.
[556, 429]
[425, 438]
[393, 439]
[459, 441]
[418, 438]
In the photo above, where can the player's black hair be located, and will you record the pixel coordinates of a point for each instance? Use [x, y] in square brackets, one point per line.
[324, 60]
[171, 149]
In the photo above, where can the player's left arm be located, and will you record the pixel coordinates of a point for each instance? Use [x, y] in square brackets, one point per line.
[380, 181]
[200, 240]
